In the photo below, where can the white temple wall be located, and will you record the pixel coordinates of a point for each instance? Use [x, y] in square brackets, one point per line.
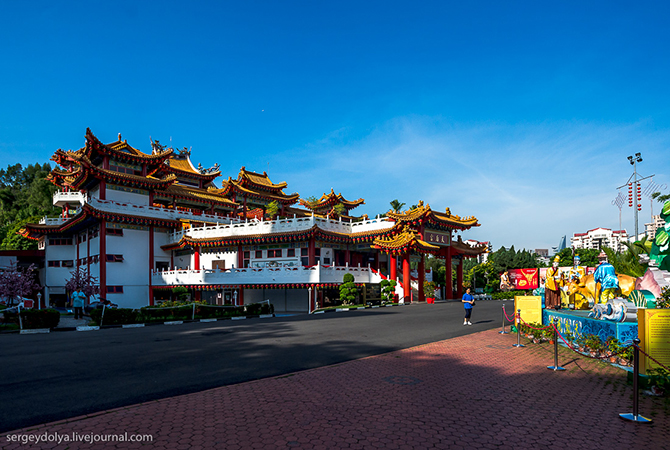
[207, 259]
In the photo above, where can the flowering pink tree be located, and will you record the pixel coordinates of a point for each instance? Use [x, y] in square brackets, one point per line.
[82, 279]
[16, 283]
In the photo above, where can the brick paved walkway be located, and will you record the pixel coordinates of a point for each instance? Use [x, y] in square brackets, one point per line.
[469, 392]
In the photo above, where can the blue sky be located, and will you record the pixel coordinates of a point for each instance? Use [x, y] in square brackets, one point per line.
[519, 113]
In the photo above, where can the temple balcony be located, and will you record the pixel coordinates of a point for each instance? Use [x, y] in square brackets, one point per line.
[296, 224]
[156, 212]
[52, 221]
[266, 275]
[74, 198]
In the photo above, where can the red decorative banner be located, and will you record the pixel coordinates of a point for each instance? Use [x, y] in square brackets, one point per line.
[524, 278]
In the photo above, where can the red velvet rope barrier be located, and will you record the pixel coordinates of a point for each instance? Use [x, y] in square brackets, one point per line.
[651, 357]
[507, 317]
[543, 328]
[588, 356]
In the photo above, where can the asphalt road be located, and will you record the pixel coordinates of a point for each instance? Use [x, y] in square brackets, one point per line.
[54, 376]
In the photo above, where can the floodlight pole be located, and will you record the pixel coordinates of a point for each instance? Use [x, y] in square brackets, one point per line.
[633, 160]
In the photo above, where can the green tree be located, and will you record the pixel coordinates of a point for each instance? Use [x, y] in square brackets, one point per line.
[272, 209]
[660, 198]
[12, 240]
[340, 209]
[396, 206]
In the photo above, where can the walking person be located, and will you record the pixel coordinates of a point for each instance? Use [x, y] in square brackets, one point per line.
[78, 298]
[468, 301]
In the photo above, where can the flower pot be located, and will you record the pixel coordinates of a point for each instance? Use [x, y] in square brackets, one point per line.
[430, 299]
[551, 341]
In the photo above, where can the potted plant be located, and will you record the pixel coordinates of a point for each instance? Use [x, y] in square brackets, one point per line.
[429, 291]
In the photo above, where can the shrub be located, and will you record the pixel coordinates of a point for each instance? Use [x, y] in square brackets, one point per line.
[388, 290]
[35, 318]
[507, 295]
[256, 309]
[181, 293]
[115, 316]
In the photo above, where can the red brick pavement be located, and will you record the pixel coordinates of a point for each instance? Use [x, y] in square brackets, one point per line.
[469, 392]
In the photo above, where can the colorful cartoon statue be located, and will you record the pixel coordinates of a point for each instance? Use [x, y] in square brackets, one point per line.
[606, 277]
[552, 287]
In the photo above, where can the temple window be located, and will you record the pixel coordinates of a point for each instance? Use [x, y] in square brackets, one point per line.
[115, 289]
[122, 168]
[290, 253]
[60, 241]
[114, 258]
[274, 253]
[259, 254]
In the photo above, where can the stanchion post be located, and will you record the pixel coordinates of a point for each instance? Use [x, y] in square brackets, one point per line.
[193, 315]
[635, 417]
[518, 330]
[556, 367]
[503, 321]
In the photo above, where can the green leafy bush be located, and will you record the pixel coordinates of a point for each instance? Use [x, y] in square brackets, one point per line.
[35, 318]
[507, 295]
[348, 290]
[256, 309]
[115, 316]
[388, 290]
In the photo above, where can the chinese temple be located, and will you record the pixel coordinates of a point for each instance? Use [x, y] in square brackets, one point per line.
[144, 223]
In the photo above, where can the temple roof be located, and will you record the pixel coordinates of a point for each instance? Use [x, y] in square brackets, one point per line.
[34, 231]
[406, 240]
[460, 247]
[190, 193]
[252, 180]
[257, 186]
[424, 214]
[181, 164]
[329, 200]
[120, 149]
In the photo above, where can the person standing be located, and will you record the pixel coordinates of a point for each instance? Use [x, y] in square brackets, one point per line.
[78, 298]
[552, 286]
[468, 302]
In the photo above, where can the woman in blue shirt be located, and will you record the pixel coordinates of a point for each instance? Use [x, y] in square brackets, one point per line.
[468, 301]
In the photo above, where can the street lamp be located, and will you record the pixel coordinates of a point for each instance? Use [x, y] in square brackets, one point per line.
[633, 160]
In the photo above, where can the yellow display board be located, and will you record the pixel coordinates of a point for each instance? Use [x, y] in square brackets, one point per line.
[653, 329]
[530, 306]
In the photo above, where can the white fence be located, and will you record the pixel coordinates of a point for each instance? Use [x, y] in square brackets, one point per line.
[296, 224]
[266, 275]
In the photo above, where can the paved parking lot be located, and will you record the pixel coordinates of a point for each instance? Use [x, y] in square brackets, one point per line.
[473, 391]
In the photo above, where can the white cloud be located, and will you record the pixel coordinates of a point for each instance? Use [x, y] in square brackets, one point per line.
[529, 184]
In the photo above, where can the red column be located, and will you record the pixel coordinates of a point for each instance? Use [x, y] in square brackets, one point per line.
[393, 267]
[196, 258]
[240, 298]
[459, 279]
[312, 251]
[103, 258]
[151, 263]
[240, 257]
[103, 184]
[406, 281]
[448, 282]
[422, 278]
[347, 257]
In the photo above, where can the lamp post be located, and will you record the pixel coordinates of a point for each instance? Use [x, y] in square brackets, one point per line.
[634, 189]
[633, 160]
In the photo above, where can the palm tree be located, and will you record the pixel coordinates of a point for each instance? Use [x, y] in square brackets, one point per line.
[660, 198]
[396, 205]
